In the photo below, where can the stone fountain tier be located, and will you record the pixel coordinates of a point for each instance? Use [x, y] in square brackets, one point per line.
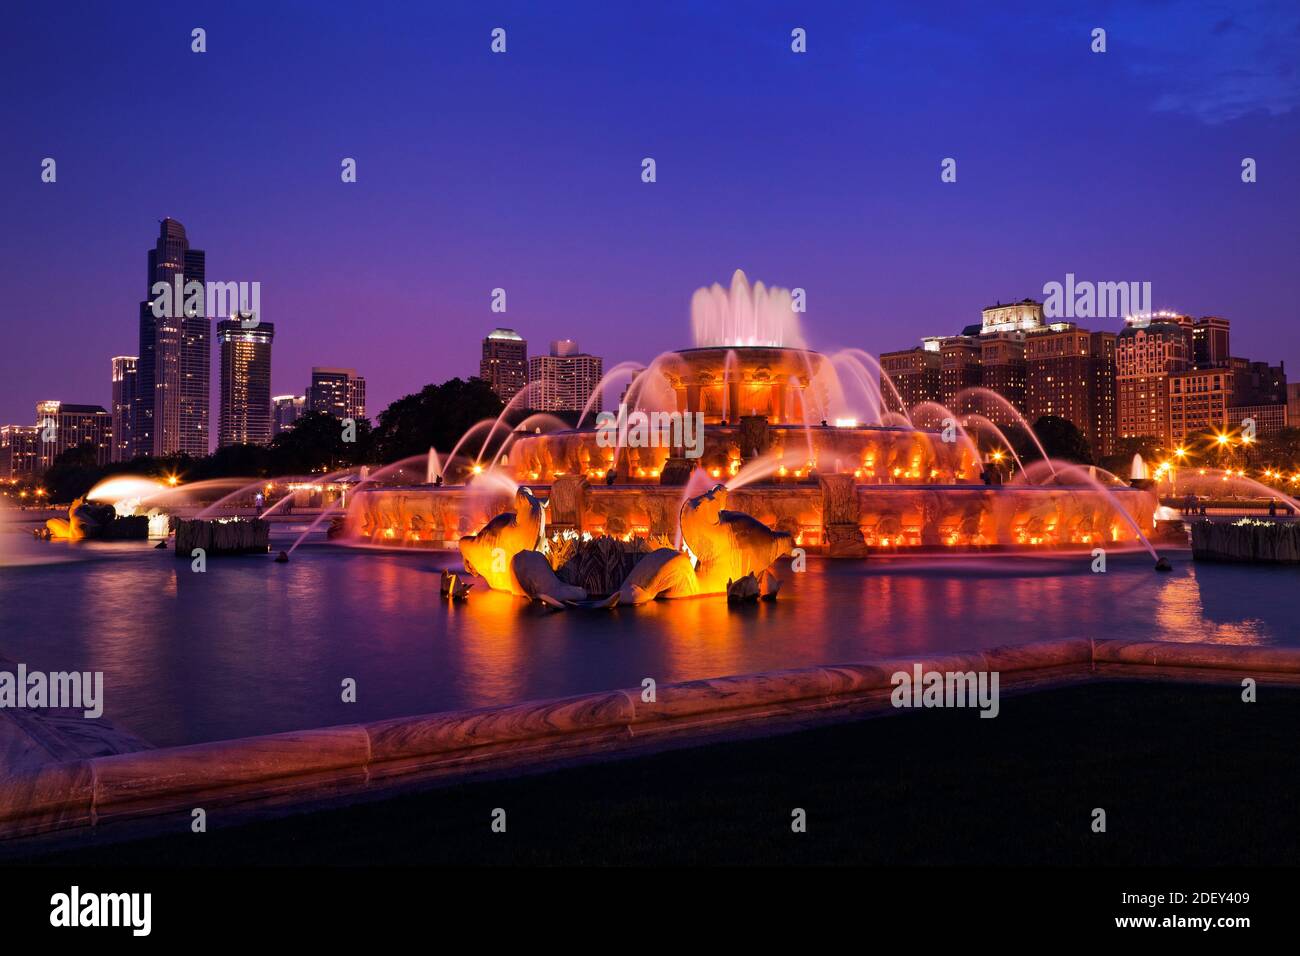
[835, 515]
[871, 454]
[728, 383]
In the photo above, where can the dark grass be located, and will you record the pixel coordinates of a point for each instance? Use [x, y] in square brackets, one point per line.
[1187, 774]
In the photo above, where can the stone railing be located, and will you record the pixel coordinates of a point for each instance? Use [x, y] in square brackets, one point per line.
[308, 765]
[228, 536]
[1255, 542]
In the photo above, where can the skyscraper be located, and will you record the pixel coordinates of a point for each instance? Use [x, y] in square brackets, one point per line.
[124, 377]
[505, 362]
[174, 368]
[340, 392]
[245, 383]
[564, 380]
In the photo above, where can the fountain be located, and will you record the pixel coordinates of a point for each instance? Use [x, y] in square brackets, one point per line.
[829, 458]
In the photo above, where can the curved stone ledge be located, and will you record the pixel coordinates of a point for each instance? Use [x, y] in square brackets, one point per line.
[1281, 660]
[1019, 657]
[406, 737]
[692, 698]
[54, 796]
[169, 776]
[298, 766]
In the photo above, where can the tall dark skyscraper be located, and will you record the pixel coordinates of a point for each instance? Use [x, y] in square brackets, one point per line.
[245, 383]
[504, 364]
[175, 362]
[123, 405]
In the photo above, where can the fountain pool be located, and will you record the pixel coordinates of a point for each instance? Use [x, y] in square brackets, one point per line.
[253, 647]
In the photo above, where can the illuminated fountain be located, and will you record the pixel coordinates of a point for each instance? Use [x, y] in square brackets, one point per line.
[804, 443]
[116, 508]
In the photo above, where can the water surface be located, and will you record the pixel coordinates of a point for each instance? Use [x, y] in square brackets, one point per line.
[253, 647]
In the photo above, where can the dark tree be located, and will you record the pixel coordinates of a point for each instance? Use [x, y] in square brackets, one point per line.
[1119, 462]
[1061, 439]
[316, 443]
[435, 417]
[73, 473]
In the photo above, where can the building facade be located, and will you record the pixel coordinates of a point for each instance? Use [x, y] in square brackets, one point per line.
[504, 364]
[19, 450]
[124, 381]
[1210, 340]
[959, 367]
[1146, 354]
[1002, 370]
[174, 366]
[564, 380]
[340, 392]
[245, 383]
[913, 377]
[1070, 374]
[63, 426]
[285, 410]
[1199, 401]
[1268, 419]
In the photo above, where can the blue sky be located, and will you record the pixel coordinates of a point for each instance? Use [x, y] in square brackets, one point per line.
[522, 171]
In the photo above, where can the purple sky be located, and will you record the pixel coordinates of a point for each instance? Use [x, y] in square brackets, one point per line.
[523, 171]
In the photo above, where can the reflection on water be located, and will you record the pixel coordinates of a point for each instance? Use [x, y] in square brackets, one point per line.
[255, 647]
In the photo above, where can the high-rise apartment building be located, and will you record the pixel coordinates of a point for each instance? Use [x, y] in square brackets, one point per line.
[245, 382]
[915, 377]
[1146, 354]
[959, 367]
[285, 410]
[564, 380]
[1199, 400]
[1209, 340]
[19, 450]
[340, 392]
[504, 364]
[175, 362]
[63, 426]
[1002, 370]
[124, 380]
[1070, 374]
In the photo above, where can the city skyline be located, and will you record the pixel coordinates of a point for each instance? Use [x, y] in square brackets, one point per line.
[559, 217]
[342, 392]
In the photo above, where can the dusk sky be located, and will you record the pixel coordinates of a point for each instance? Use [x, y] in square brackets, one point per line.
[523, 171]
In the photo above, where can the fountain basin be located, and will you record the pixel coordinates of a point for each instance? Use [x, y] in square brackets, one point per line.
[835, 515]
